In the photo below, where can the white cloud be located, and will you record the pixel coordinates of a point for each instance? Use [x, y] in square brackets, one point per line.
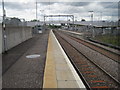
[80, 10]
[61, 0]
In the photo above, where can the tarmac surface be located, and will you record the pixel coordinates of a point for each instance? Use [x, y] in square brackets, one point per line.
[22, 72]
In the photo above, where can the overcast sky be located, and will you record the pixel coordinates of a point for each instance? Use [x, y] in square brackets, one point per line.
[27, 9]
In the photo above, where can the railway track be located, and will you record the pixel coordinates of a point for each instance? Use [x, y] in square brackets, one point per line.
[93, 75]
[110, 54]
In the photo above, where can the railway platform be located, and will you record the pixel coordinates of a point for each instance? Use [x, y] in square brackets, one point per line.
[59, 72]
[51, 69]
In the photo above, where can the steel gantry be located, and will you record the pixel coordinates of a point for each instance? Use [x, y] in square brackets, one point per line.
[71, 16]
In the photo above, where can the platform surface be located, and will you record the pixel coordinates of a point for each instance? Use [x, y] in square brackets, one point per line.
[26, 72]
[59, 72]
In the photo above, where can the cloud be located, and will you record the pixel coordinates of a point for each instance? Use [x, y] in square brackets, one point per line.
[77, 3]
[19, 5]
[46, 3]
[79, 9]
[109, 4]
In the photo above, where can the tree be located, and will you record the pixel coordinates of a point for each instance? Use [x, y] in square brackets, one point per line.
[34, 20]
[17, 19]
[83, 20]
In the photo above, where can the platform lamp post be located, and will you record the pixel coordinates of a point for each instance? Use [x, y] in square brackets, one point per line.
[91, 15]
[4, 28]
[73, 22]
[36, 14]
[42, 11]
[36, 9]
[101, 15]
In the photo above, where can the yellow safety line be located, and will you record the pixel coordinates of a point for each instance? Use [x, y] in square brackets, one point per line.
[50, 73]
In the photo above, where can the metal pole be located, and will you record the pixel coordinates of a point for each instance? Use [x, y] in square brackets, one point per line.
[101, 16]
[4, 28]
[93, 25]
[73, 22]
[93, 32]
[42, 12]
[44, 22]
[67, 21]
[36, 9]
